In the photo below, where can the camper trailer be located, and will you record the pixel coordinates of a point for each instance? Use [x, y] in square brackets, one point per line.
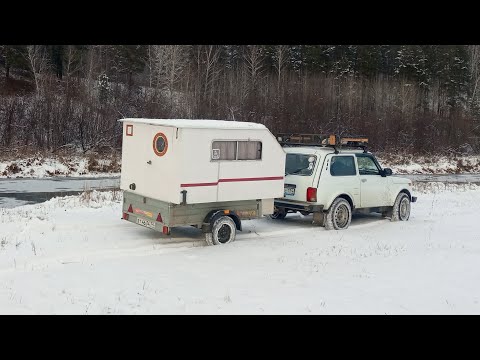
[211, 174]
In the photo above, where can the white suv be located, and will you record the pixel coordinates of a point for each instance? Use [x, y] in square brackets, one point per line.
[331, 182]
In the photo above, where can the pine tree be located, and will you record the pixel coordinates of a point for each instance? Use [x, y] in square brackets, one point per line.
[14, 58]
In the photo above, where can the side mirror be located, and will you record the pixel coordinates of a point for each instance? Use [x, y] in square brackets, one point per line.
[387, 172]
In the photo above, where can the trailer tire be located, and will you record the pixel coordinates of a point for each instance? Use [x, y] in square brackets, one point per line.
[223, 231]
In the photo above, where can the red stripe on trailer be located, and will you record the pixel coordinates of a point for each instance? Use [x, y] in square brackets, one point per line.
[252, 179]
[233, 180]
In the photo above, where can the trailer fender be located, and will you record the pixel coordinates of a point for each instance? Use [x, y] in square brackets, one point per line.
[215, 214]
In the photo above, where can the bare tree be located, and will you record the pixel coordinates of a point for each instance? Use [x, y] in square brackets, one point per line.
[157, 65]
[175, 63]
[37, 59]
[73, 63]
[150, 64]
[90, 66]
[254, 61]
[210, 55]
[474, 67]
[280, 56]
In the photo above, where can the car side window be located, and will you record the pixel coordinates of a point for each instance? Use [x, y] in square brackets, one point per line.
[342, 166]
[367, 166]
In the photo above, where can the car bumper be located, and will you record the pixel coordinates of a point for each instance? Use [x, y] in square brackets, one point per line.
[298, 205]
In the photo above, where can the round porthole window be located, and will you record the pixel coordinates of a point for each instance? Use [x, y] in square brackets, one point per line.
[160, 144]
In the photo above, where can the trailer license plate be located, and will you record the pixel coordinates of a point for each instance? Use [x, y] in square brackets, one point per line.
[149, 224]
[289, 190]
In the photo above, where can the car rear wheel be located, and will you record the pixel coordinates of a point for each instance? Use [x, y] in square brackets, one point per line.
[339, 215]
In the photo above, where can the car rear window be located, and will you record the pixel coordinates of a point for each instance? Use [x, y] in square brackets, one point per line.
[300, 164]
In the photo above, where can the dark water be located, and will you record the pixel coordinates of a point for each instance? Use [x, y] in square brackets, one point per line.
[16, 192]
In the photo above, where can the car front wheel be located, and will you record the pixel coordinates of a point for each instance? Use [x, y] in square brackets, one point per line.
[401, 208]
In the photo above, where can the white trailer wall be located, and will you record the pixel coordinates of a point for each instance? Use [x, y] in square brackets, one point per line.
[235, 180]
[188, 165]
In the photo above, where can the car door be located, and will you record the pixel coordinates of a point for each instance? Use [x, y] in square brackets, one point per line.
[373, 186]
[339, 176]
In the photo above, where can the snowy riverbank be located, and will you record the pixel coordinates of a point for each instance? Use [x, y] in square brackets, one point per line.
[73, 166]
[101, 166]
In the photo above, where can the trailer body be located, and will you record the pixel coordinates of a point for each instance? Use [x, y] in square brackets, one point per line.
[178, 172]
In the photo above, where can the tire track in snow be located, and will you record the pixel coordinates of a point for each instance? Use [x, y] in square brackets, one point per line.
[165, 245]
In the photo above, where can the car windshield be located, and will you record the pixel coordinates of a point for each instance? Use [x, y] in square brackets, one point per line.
[300, 164]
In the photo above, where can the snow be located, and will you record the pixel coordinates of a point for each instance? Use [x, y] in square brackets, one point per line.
[402, 164]
[40, 167]
[198, 124]
[75, 255]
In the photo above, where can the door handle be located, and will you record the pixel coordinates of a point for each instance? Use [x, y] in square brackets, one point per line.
[364, 180]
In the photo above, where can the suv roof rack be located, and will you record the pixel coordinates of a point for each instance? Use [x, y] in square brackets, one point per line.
[324, 140]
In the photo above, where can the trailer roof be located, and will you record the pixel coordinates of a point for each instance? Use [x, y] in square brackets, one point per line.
[197, 124]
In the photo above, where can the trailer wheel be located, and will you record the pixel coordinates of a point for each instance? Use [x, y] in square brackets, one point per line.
[223, 231]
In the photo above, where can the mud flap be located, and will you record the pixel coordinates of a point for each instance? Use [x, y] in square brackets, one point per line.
[319, 218]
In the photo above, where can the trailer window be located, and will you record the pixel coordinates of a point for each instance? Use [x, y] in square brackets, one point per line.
[160, 144]
[249, 150]
[224, 150]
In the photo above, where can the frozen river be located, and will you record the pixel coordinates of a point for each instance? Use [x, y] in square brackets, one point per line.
[16, 192]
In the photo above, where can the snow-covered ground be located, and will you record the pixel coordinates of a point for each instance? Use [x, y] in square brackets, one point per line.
[409, 164]
[75, 255]
[91, 166]
[75, 166]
